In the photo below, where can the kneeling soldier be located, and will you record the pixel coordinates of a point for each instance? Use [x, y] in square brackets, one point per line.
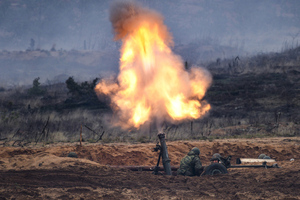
[190, 165]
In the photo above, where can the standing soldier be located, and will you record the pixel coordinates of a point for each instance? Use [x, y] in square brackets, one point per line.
[190, 165]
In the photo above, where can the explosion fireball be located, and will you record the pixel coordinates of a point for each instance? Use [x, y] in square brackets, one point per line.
[153, 83]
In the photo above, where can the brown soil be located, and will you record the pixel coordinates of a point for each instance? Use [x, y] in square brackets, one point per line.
[46, 172]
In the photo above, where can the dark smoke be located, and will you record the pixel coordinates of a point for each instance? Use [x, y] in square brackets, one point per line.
[125, 16]
[121, 14]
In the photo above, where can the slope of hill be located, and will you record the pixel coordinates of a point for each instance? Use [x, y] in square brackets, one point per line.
[250, 97]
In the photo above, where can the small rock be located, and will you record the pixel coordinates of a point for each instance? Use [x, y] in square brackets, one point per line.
[73, 155]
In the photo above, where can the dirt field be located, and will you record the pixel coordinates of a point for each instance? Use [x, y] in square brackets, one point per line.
[46, 172]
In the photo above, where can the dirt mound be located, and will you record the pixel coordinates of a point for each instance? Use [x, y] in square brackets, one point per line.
[47, 172]
[281, 149]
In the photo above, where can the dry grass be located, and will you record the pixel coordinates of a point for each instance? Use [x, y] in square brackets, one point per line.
[259, 96]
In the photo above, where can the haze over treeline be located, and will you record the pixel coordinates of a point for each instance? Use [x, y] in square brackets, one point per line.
[251, 25]
[55, 39]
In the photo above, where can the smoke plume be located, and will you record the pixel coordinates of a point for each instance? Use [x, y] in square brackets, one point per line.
[153, 84]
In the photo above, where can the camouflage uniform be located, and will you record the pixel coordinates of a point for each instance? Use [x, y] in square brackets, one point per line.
[190, 165]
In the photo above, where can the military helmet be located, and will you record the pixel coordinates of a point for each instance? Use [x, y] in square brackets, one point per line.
[196, 150]
[261, 156]
[267, 157]
[215, 156]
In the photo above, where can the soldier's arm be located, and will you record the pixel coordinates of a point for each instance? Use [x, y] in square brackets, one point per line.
[198, 164]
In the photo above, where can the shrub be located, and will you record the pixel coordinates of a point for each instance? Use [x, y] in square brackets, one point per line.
[83, 89]
[83, 94]
[36, 89]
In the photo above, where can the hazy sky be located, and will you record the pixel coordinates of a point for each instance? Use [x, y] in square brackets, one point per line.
[202, 30]
[255, 25]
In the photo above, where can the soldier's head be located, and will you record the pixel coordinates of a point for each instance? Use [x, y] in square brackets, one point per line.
[215, 158]
[196, 150]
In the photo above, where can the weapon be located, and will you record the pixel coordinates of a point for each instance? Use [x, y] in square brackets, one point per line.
[162, 154]
[219, 167]
[227, 164]
[213, 169]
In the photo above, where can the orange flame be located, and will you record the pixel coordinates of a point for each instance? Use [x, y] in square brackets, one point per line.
[152, 83]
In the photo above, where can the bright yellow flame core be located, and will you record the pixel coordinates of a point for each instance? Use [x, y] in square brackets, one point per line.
[153, 82]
